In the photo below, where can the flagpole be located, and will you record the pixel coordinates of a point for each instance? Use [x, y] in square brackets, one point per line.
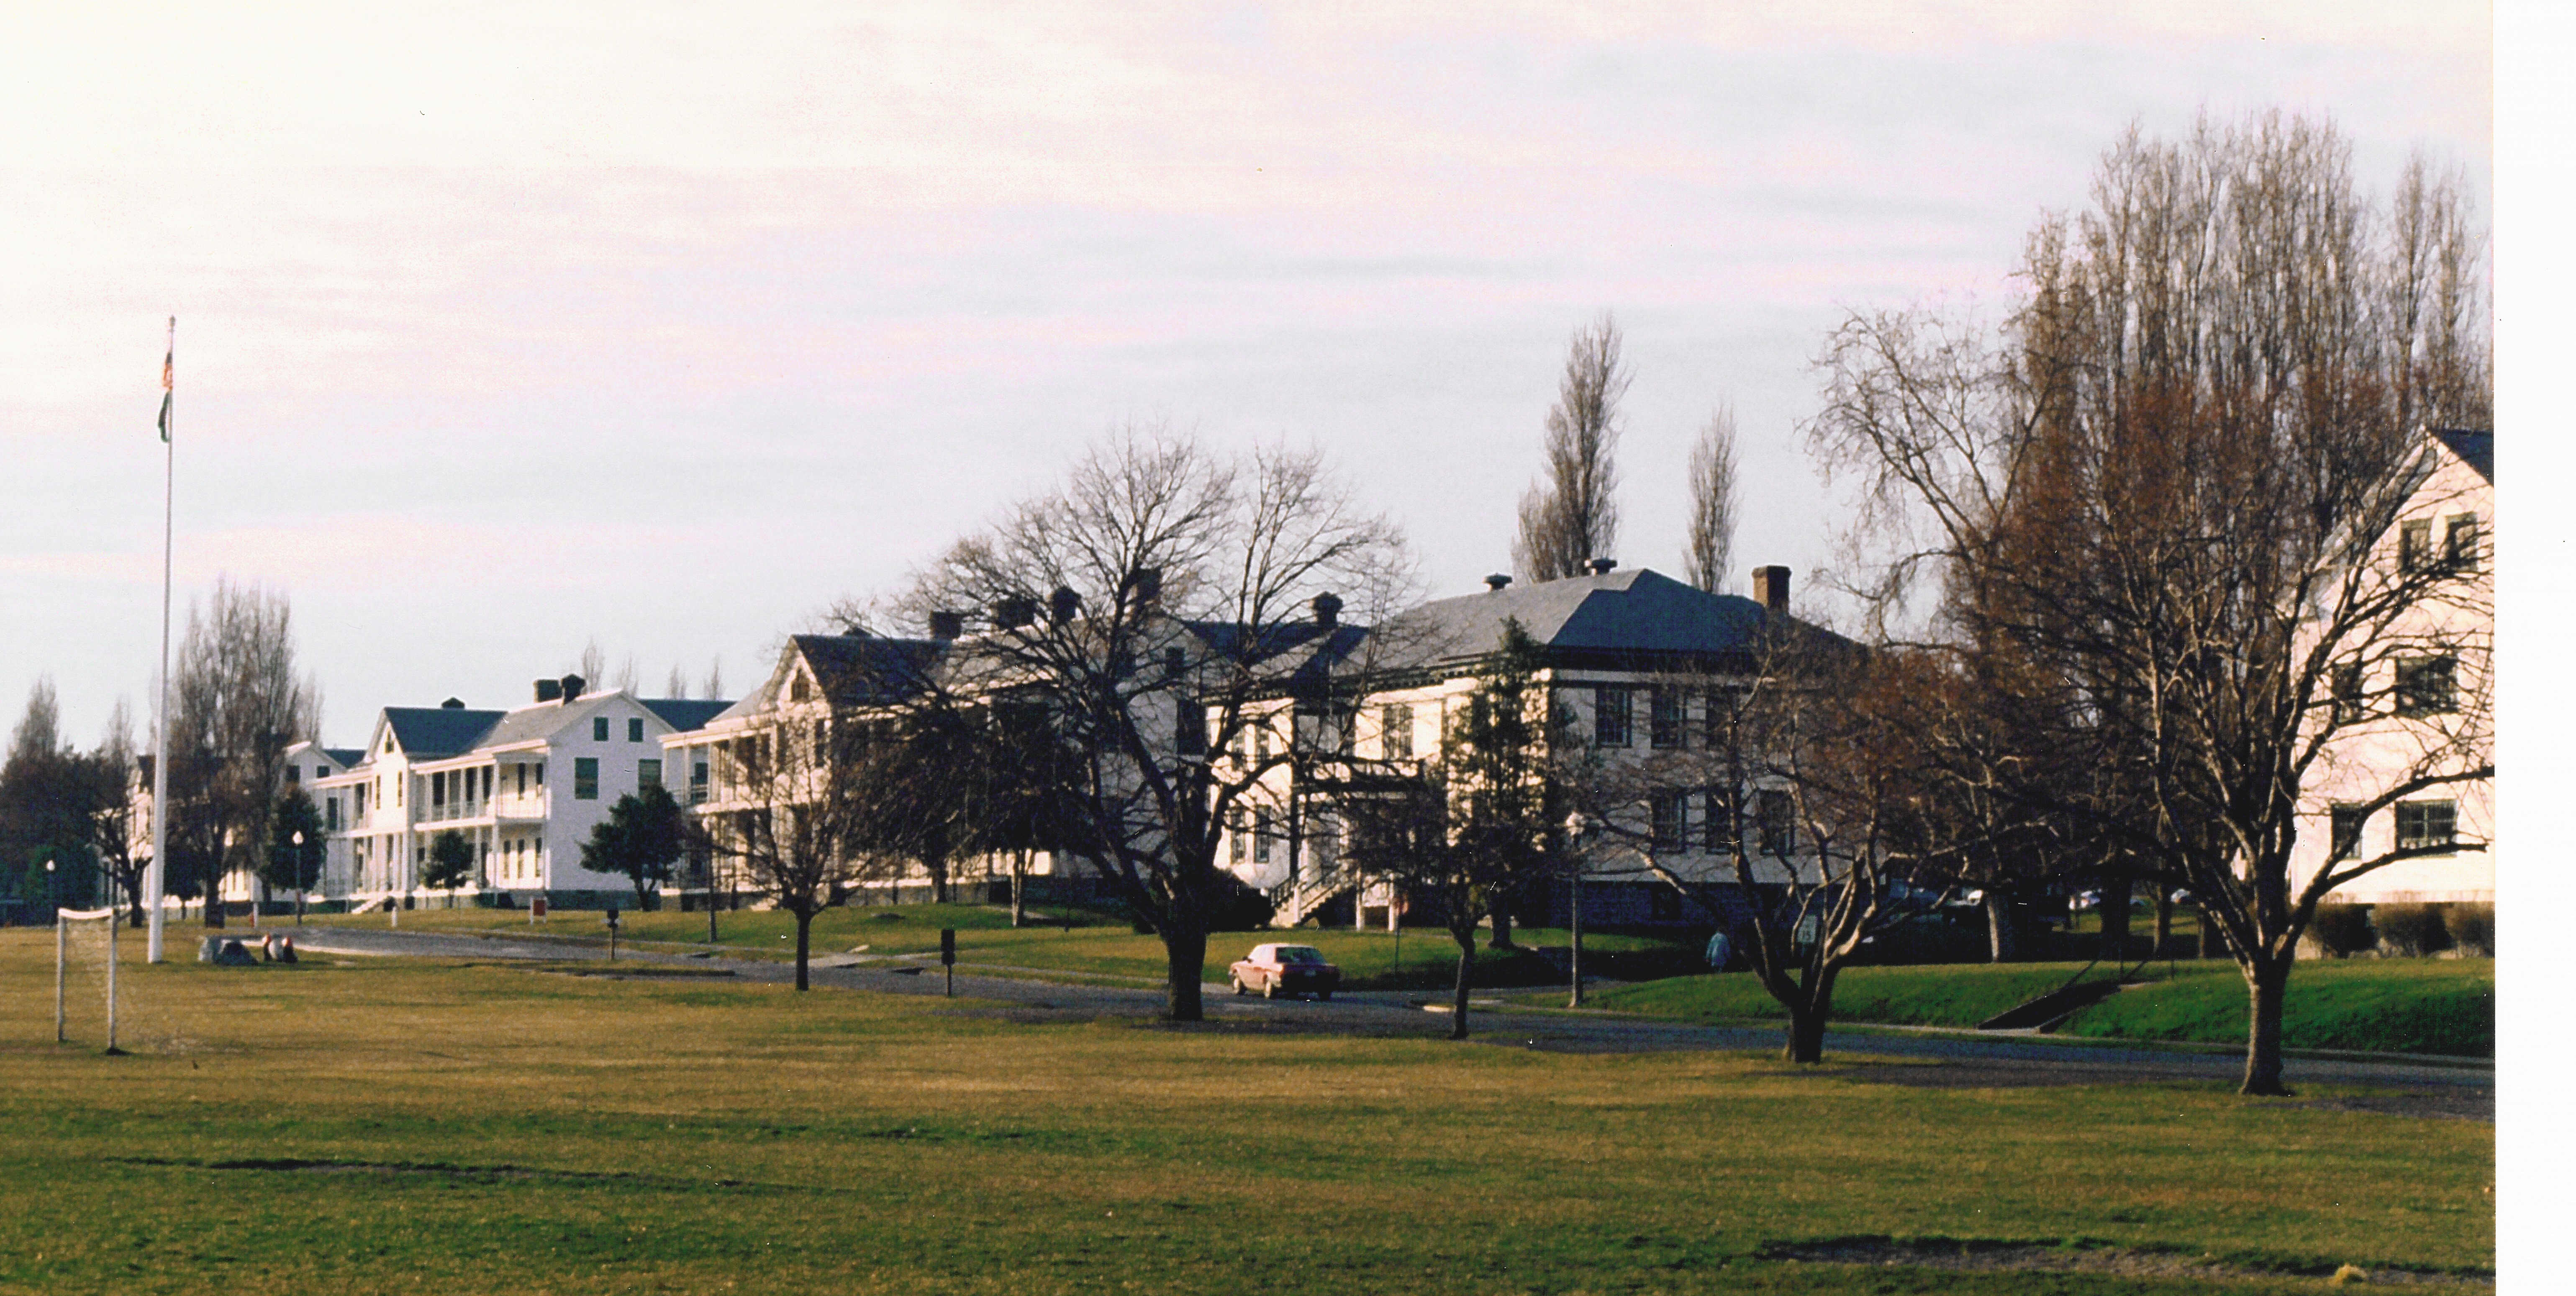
[161, 708]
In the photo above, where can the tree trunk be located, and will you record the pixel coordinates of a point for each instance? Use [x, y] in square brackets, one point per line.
[2115, 916]
[804, 945]
[2003, 942]
[2164, 917]
[1466, 974]
[1502, 929]
[2269, 982]
[1807, 1021]
[1186, 955]
[1019, 888]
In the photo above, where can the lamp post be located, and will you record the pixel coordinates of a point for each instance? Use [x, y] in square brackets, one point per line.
[298, 839]
[1575, 824]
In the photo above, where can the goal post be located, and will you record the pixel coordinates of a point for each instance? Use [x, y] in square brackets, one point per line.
[81, 935]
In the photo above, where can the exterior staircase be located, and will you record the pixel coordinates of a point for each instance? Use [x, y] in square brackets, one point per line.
[1300, 895]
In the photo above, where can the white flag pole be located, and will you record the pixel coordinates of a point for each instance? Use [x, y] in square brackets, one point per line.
[161, 740]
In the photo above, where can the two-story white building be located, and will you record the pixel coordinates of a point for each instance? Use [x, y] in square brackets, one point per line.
[523, 787]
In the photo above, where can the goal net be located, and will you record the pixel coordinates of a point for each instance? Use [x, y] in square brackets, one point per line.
[85, 991]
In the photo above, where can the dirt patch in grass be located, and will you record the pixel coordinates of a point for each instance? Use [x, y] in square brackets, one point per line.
[1972, 1256]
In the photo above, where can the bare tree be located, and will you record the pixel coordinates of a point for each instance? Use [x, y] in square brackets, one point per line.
[1571, 515]
[2161, 509]
[1710, 547]
[112, 815]
[787, 796]
[594, 663]
[630, 677]
[1159, 604]
[676, 685]
[240, 705]
[713, 689]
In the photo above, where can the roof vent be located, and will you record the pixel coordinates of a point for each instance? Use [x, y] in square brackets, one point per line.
[452, 704]
[1604, 566]
[1062, 604]
[1771, 588]
[572, 687]
[945, 626]
[1328, 610]
[1497, 581]
[550, 690]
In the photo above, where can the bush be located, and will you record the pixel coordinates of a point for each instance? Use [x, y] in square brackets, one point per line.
[2472, 928]
[2413, 930]
[2341, 930]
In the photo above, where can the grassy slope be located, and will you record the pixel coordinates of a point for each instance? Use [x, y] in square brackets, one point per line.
[534, 1132]
[2439, 1006]
[1092, 943]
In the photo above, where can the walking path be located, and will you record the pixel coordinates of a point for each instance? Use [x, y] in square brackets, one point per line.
[1869, 1055]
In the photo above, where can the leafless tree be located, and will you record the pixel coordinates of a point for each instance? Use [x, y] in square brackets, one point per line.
[713, 689]
[675, 685]
[239, 706]
[2160, 504]
[787, 800]
[112, 810]
[1571, 515]
[630, 677]
[1713, 511]
[594, 664]
[1159, 604]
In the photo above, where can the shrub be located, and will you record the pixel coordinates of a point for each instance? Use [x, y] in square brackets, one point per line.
[2472, 928]
[2413, 930]
[2341, 930]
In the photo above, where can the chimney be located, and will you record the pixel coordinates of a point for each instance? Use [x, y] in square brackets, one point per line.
[549, 690]
[1771, 587]
[1603, 566]
[572, 687]
[1328, 610]
[1497, 581]
[1013, 612]
[1146, 585]
[1063, 604]
[452, 704]
[945, 626]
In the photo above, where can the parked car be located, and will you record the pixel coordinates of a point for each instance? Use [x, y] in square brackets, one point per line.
[1275, 970]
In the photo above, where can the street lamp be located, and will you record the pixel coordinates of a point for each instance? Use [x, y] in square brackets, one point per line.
[299, 877]
[1575, 824]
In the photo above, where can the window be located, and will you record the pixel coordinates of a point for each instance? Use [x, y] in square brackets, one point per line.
[541, 773]
[438, 789]
[648, 774]
[2425, 686]
[1720, 819]
[1668, 828]
[1190, 728]
[2460, 543]
[1667, 711]
[1261, 831]
[599, 728]
[1723, 706]
[1234, 832]
[2426, 823]
[2348, 705]
[1261, 743]
[2415, 545]
[331, 814]
[635, 730]
[801, 690]
[585, 778]
[523, 778]
[294, 773]
[1779, 828]
[2346, 832]
[1610, 717]
[1395, 730]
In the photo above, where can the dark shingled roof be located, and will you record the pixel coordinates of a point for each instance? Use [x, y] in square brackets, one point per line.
[860, 669]
[1621, 613]
[2475, 447]
[346, 756]
[427, 733]
[684, 713]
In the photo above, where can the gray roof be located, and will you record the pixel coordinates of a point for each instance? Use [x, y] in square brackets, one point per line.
[1636, 612]
[427, 733]
[345, 756]
[2475, 447]
[854, 669]
[684, 713]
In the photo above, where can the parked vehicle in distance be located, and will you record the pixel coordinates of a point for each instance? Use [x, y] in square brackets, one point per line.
[1275, 970]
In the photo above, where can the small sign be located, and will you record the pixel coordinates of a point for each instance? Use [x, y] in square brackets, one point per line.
[612, 918]
[537, 907]
[948, 946]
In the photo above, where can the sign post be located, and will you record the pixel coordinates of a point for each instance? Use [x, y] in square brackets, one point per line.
[612, 935]
[948, 958]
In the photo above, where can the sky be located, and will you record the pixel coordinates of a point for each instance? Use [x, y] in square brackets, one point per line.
[510, 328]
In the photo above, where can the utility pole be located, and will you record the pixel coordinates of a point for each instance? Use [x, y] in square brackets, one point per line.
[1574, 825]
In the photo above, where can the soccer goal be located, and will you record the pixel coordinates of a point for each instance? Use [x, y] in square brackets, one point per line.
[84, 973]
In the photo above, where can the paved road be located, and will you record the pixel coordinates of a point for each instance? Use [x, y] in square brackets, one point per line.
[1982, 1062]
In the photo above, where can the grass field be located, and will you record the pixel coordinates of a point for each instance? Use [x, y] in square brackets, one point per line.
[1071, 940]
[2434, 1006]
[382, 1125]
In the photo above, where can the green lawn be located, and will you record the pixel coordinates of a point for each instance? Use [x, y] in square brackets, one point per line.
[1064, 939]
[384, 1125]
[2432, 1006]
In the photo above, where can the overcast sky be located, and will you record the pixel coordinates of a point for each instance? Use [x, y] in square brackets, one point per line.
[501, 331]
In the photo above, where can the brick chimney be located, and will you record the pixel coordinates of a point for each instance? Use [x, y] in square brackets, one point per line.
[1497, 581]
[550, 690]
[1771, 588]
[945, 626]
[1603, 566]
[1328, 610]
